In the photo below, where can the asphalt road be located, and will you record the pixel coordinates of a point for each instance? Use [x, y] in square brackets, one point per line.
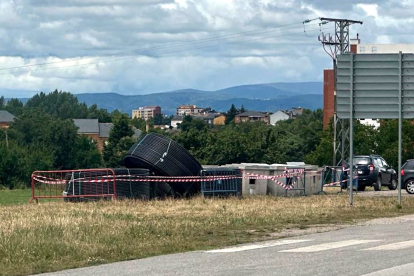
[381, 247]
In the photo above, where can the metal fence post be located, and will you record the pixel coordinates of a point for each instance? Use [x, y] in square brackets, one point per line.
[351, 134]
[400, 111]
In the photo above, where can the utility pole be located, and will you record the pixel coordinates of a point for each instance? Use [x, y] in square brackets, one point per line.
[338, 44]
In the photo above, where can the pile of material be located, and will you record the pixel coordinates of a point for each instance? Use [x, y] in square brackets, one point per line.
[165, 157]
[156, 167]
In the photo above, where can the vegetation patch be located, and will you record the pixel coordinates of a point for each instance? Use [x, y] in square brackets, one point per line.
[50, 236]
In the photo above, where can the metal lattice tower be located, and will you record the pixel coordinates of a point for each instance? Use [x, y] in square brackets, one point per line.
[340, 44]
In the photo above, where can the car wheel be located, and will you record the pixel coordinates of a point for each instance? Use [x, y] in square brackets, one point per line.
[410, 186]
[361, 188]
[378, 184]
[393, 185]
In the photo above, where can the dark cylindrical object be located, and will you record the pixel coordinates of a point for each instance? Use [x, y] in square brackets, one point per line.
[164, 157]
[127, 188]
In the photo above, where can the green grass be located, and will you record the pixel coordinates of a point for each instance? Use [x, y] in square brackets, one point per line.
[14, 197]
[50, 236]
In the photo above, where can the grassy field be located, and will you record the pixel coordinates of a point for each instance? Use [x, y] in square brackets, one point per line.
[13, 197]
[51, 236]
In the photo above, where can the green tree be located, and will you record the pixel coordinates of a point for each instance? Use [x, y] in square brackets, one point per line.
[158, 119]
[98, 113]
[139, 123]
[190, 123]
[58, 103]
[119, 142]
[35, 127]
[17, 162]
[2, 103]
[116, 114]
[242, 109]
[14, 106]
[86, 154]
[231, 113]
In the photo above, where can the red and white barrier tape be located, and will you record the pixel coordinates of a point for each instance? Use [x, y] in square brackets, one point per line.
[110, 178]
[337, 182]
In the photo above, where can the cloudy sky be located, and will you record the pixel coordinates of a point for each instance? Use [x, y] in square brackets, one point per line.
[146, 46]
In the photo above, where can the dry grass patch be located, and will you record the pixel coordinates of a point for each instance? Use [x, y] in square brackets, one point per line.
[56, 235]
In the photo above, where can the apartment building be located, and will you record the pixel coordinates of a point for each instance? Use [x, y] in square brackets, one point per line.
[192, 109]
[146, 112]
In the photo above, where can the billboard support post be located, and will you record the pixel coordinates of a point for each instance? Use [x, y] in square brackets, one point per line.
[400, 114]
[351, 134]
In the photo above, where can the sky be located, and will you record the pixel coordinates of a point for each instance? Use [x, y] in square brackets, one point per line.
[147, 46]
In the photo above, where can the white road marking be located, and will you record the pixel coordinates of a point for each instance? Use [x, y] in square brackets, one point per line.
[327, 246]
[394, 246]
[401, 270]
[255, 246]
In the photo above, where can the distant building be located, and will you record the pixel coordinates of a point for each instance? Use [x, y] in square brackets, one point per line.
[163, 127]
[251, 116]
[191, 110]
[296, 111]
[278, 116]
[208, 118]
[146, 112]
[6, 119]
[176, 121]
[220, 120]
[98, 132]
[92, 129]
[370, 122]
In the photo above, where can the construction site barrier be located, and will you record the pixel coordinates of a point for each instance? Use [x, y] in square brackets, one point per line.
[336, 177]
[72, 184]
[79, 185]
[287, 174]
[227, 182]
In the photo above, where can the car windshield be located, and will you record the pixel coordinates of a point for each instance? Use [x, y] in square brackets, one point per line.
[361, 160]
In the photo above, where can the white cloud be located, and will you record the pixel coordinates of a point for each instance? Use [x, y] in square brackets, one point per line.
[370, 10]
[160, 33]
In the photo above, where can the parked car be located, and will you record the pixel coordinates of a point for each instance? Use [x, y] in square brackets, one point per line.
[407, 176]
[374, 171]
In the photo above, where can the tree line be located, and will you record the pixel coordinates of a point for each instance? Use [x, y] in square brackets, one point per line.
[44, 137]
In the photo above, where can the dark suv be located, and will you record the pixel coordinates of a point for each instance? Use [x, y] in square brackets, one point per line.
[407, 176]
[373, 171]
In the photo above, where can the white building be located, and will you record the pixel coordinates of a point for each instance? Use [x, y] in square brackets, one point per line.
[278, 116]
[176, 121]
[370, 122]
[384, 48]
[361, 48]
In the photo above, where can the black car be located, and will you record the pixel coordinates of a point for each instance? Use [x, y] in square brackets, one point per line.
[374, 171]
[407, 176]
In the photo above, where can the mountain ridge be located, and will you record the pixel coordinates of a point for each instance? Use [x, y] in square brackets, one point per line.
[261, 97]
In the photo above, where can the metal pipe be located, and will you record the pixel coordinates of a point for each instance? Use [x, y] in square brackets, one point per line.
[400, 127]
[351, 135]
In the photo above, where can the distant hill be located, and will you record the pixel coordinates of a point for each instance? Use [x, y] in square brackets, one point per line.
[273, 90]
[262, 97]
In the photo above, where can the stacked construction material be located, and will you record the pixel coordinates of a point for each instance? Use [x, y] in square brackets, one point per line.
[149, 163]
[165, 157]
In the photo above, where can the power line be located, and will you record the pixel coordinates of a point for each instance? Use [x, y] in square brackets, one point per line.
[170, 52]
[234, 35]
